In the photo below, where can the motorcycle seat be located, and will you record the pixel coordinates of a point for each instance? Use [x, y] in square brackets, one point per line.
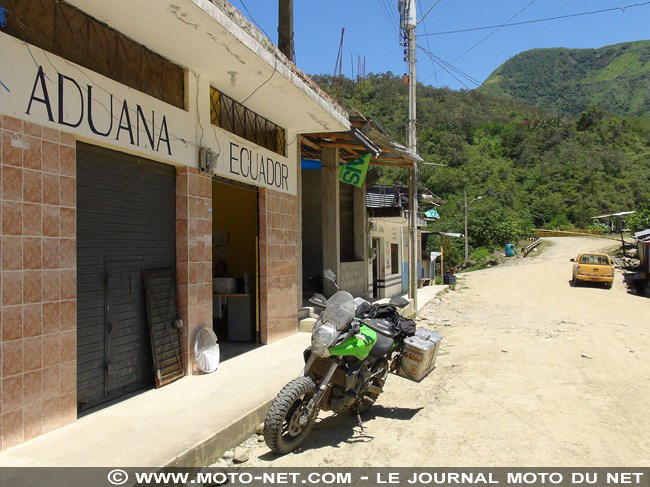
[382, 346]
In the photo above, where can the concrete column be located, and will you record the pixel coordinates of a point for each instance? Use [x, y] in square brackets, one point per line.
[361, 228]
[299, 221]
[331, 216]
[193, 255]
[360, 223]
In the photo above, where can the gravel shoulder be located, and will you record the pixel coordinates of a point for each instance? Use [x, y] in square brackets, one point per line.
[531, 372]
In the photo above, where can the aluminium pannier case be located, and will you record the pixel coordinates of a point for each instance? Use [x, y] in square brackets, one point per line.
[419, 354]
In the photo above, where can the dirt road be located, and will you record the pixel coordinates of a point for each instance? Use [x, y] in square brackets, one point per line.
[532, 372]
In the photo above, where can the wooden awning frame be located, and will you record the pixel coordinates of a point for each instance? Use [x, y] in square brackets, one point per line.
[364, 137]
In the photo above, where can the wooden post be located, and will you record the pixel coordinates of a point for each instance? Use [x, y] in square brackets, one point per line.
[331, 218]
[442, 258]
[285, 29]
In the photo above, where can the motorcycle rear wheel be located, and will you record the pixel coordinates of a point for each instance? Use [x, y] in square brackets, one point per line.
[283, 432]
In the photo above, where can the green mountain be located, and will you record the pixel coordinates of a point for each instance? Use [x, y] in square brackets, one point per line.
[533, 168]
[615, 78]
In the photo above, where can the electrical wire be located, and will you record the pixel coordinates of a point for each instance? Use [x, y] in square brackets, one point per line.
[534, 21]
[250, 16]
[428, 11]
[173, 137]
[457, 70]
[507, 22]
[392, 13]
[275, 69]
[435, 73]
[87, 76]
[433, 66]
[383, 7]
[451, 69]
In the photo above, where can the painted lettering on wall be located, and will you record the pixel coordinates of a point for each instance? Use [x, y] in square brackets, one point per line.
[73, 105]
[252, 165]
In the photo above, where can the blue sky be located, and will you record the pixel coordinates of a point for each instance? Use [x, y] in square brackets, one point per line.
[369, 33]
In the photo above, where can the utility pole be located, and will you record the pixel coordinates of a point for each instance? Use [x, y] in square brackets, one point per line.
[466, 207]
[409, 23]
[285, 29]
[466, 244]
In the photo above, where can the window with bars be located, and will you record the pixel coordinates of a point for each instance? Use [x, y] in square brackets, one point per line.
[394, 258]
[66, 31]
[234, 117]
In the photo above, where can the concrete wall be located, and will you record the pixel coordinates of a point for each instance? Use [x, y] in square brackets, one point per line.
[312, 231]
[354, 278]
[389, 231]
[39, 299]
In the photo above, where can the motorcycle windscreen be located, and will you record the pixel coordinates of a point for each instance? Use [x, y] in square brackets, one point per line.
[340, 310]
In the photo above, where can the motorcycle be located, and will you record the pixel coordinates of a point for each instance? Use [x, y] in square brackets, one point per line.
[354, 345]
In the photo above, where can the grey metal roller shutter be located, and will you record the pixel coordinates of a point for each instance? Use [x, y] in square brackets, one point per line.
[126, 221]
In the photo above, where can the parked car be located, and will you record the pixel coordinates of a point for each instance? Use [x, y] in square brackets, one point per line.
[593, 267]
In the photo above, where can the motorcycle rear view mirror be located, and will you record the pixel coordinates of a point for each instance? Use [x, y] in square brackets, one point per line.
[399, 301]
[319, 300]
[329, 275]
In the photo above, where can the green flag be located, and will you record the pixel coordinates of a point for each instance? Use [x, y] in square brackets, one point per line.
[354, 172]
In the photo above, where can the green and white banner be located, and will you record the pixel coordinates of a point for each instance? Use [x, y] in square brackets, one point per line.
[354, 172]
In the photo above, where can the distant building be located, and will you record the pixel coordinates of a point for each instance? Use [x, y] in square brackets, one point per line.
[615, 221]
[389, 234]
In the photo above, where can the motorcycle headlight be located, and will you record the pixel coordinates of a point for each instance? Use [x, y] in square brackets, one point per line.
[322, 338]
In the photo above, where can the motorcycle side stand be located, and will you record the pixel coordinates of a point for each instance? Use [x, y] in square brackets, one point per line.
[356, 410]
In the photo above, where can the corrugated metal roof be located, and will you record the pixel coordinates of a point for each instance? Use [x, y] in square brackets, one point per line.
[620, 213]
[383, 197]
[643, 234]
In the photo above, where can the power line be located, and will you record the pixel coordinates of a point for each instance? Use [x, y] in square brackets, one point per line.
[389, 19]
[507, 22]
[443, 67]
[392, 13]
[433, 67]
[447, 67]
[250, 16]
[427, 13]
[435, 73]
[622, 9]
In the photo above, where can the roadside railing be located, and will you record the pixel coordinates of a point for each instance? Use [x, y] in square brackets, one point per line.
[530, 247]
[541, 232]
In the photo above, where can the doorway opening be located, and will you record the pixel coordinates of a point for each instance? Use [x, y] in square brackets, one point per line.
[375, 267]
[235, 267]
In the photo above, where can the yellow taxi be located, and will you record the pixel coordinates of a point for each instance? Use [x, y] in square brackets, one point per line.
[593, 267]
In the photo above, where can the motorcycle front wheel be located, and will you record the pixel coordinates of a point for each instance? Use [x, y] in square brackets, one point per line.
[285, 426]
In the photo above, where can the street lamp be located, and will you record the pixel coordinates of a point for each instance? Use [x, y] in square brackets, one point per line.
[466, 206]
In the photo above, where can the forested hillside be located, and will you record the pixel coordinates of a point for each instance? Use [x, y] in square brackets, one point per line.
[614, 78]
[533, 168]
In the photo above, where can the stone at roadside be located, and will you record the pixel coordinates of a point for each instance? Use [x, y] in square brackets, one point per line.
[241, 455]
[229, 454]
[584, 355]
[260, 438]
[260, 429]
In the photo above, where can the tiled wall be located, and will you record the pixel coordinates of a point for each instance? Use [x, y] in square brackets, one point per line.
[38, 280]
[278, 265]
[193, 254]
